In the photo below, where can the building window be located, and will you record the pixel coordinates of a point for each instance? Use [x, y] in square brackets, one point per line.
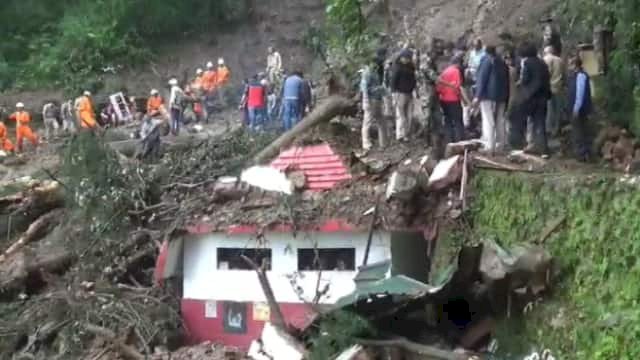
[231, 258]
[336, 259]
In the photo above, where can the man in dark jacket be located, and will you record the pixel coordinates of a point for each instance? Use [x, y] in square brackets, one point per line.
[403, 83]
[581, 105]
[534, 91]
[492, 93]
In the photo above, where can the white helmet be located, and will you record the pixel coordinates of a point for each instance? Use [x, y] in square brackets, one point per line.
[19, 105]
[87, 93]
[209, 65]
[154, 92]
[173, 82]
[220, 61]
[199, 71]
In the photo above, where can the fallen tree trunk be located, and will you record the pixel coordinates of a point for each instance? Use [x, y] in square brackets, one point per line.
[278, 318]
[130, 147]
[35, 232]
[18, 211]
[15, 273]
[332, 107]
[414, 348]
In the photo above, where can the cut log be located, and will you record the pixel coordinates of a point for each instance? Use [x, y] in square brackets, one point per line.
[458, 148]
[15, 272]
[35, 232]
[332, 107]
[130, 147]
[520, 156]
[17, 213]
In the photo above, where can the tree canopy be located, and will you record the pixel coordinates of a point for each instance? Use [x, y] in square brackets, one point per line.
[68, 43]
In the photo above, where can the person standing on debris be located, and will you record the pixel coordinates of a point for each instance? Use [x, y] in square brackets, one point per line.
[373, 92]
[22, 119]
[196, 88]
[533, 92]
[155, 105]
[5, 143]
[403, 84]
[292, 100]
[476, 54]
[176, 106]
[581, 106]
[209, 80]
[86, 115]
[449, 90]
[431, 113]
[150, 137]
[68, 120]
[307, 97]
[256, 103]
[223, 75]
[274, 65]
[50, 119]
[554, 63]
[492, 94]
[551, 36]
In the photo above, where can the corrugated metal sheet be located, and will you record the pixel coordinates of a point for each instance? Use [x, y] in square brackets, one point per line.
[322, 167]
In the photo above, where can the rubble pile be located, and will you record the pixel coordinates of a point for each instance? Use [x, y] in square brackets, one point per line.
[618, 147]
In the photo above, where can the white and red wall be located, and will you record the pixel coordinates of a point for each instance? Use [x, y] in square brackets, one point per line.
[210, 295]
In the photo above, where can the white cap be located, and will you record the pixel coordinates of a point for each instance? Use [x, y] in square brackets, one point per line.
[264, 82]
[173, 82]
[87, 93]
[19, 105]
[154, 92]
[209, 65]
[220, 61]
[199, 71]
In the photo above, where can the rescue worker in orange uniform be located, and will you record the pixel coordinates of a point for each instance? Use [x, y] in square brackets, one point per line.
[197, 92]
[155, 104]
[5, 143]
[85, 112]
[222, 78]
[209, 80]
[22, 119]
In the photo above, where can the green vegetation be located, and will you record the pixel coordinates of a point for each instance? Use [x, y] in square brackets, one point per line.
[622, 17]
[593, 313]
[337, 333]
[68, 43]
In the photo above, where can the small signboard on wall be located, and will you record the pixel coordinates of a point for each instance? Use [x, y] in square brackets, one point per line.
[211, 309]
[261, 312]
[235, 318]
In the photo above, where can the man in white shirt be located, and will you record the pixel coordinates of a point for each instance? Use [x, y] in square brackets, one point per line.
[175, 103]
[274, 65]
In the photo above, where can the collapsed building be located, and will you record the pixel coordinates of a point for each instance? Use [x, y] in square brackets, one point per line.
[334, 231]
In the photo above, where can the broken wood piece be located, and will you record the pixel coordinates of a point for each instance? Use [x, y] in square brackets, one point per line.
[521, 156]
[332, 107]
[278, 318]
[484, 162]
[551, 228]
[127, 351]
[446, 173]
[414, 348]
[298, 179]
[36, 231]
[459, 148]
[465, 179]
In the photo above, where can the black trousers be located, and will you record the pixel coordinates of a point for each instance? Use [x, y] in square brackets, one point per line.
[534, 111]
[453, 125]
[580, 136]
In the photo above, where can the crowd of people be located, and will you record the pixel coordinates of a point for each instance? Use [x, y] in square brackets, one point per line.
[508, 100]
[74, 114]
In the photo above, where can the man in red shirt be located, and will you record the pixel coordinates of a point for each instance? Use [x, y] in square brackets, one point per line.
[256, 100]
[449, 88]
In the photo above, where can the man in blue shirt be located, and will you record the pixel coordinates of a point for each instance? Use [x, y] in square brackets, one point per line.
[292, 100]
[581, 105]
